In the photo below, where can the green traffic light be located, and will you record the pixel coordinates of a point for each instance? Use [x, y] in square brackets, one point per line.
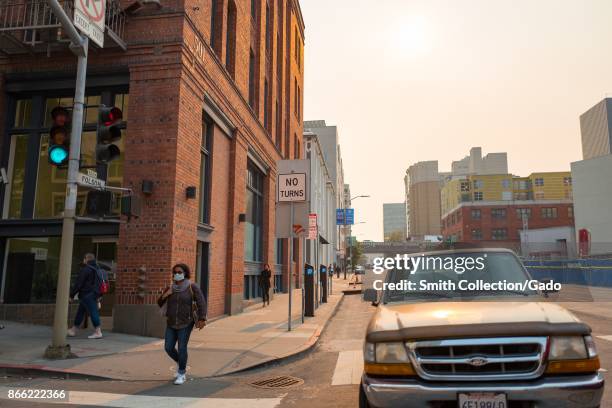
[58, 155]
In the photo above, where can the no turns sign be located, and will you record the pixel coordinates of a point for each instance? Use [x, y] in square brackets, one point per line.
[292, 187]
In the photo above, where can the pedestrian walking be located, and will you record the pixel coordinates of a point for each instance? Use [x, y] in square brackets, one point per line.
[184, 306]
[87, 290]
[264, 284]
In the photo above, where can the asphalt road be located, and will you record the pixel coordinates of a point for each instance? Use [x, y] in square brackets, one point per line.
[330, 375]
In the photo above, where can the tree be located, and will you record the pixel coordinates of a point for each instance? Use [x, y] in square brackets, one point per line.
[395, 236]
[356, 253]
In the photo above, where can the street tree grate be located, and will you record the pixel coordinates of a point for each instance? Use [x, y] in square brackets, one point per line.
[282, 381]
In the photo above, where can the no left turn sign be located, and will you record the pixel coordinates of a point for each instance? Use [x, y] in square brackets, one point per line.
[89, 17]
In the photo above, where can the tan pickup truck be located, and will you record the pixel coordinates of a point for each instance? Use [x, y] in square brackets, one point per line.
[475, 348]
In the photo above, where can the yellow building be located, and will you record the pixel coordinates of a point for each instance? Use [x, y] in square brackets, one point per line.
[506, 187]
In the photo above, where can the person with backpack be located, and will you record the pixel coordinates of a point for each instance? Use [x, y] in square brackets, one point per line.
[89, 286]
[184, 307]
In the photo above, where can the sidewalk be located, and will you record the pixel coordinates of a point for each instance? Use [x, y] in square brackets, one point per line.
[228, 345]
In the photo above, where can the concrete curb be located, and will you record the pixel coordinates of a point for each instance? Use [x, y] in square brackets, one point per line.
[28, 369]
[31, 369]
[301, 352]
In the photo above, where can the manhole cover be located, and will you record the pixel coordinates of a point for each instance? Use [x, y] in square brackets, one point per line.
[283, 381]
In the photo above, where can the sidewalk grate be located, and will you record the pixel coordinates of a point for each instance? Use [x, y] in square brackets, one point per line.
[283, 381]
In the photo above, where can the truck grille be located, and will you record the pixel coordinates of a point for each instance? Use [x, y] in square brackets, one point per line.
[507, 358]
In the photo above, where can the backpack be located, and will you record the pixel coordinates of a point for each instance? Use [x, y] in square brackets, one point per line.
[100, 280]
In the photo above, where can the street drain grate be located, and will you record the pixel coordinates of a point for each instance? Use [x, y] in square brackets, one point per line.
[283, 381]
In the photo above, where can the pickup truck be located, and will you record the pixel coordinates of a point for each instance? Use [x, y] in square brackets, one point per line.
[475, 348]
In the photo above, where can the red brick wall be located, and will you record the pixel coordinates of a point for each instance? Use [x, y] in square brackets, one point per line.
[512, 223]
[172, 67]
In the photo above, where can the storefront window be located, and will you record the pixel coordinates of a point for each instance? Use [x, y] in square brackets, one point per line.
[23, 113]
[32, 266]
[253, 242]
[20, 146]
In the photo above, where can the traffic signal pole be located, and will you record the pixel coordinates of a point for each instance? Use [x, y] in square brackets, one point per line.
[59, 347]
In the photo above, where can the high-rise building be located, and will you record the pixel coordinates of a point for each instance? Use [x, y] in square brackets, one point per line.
[424, 199]
[596, 130]
[329, 140]
[592, 187]
[492, 163]
[423, 181]
[394, 221]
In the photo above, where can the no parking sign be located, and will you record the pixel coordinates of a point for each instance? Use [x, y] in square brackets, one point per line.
[89, 17]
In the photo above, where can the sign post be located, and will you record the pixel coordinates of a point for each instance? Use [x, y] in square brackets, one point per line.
[291, 188]
[59, 348]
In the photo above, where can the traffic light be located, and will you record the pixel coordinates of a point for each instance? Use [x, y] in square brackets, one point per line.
[59, 137]
[109, 131]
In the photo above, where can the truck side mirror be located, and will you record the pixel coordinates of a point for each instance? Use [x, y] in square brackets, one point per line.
[370, 295]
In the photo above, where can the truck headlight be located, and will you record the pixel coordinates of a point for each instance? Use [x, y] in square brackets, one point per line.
[590, 346]
[369, 352]
[386, 359]
[391, 353]
[567, 348]
[572, 355]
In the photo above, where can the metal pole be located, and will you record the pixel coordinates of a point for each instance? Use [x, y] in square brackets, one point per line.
[340, 242]
[316, 272]
[290, 286]
[59, 348]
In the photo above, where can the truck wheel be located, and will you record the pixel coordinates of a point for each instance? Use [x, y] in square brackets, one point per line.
[363, 400]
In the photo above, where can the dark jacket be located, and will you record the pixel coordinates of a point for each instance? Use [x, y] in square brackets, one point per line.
[86, 280]
[264, 279]
[178, 312]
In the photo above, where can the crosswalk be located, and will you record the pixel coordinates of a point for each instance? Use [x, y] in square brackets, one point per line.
[349, 368]
[88, 398]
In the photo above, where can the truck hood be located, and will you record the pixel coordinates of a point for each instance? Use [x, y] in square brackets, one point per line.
[436, 320]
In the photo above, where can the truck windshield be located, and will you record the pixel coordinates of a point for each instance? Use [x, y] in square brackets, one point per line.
[471, 275]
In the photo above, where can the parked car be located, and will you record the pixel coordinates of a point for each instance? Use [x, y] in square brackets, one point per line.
[359, 270]
[473, 349]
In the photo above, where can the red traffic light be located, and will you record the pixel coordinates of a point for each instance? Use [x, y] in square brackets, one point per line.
[110, 115]
[60, 116]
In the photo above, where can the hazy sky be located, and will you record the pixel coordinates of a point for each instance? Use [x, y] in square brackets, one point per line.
[408, 80]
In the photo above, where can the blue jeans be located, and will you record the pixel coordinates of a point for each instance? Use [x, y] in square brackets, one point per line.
[89, 303]
[182, 336]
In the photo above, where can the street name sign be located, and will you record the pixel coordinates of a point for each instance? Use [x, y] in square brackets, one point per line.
[291, 187]
[86, 180]
[89, 17]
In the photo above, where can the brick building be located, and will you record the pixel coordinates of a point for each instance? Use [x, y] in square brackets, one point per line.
[491, 209]
[212, 98]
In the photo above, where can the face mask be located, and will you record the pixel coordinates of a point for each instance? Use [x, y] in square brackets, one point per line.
[179, 276]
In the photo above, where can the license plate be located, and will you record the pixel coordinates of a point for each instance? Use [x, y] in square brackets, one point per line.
[482, 400]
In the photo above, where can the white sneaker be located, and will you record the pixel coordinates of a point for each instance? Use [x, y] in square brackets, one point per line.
[71, 332]
[180, 379]
[96, 334]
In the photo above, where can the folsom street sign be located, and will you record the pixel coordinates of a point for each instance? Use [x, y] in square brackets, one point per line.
[291, 187]
[89, 17]
[90, 180]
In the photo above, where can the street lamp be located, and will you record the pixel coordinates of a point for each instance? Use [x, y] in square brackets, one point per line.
[351, 244]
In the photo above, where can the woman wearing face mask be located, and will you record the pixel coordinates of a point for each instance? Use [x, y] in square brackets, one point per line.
[178, 300]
